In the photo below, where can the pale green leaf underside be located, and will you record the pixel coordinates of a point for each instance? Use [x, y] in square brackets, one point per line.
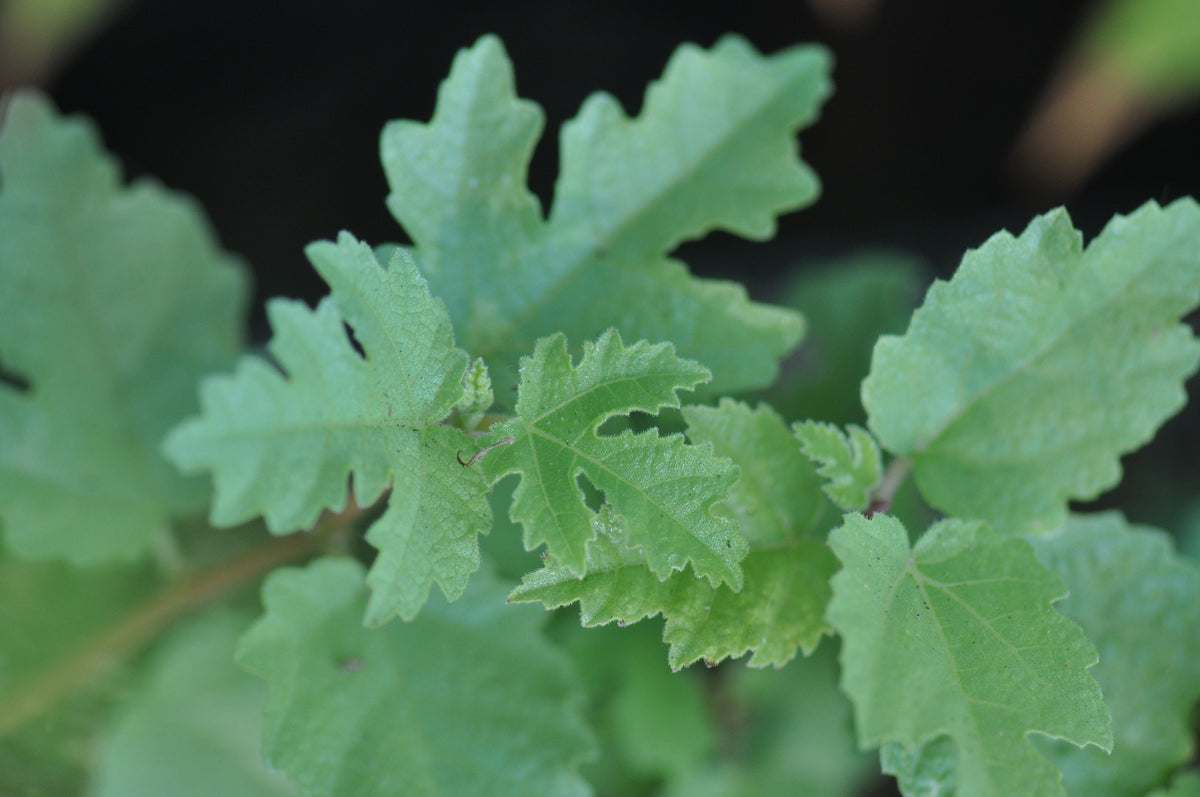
[714, 148]
[662, 488]
[283, 445]
[852, 464]
[777, 502]
[1022, 380]
[1139, 603]
[441, 706]
[114, 301]
[195, 728]
[957, 637]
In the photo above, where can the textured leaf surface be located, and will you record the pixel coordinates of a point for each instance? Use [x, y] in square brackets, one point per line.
[781, 605]
[714, 148]
[662, 488]
[282, 445]
[851, 463]
[1022, 380]
[114, 301]
[440, 706]
[957, 637]
[1139, 602]
[195, 729]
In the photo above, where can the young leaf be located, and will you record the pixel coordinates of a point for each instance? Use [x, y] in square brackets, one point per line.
[778, 504]
[1022, 380]
[852, 465]
[714, 148]
[1139, 602]
[443, 705]
[282, 444]
[115, 301]
[957, 637]
[195, 728]
[662, 488]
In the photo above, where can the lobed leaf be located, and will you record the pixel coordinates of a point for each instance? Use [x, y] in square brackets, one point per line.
[1022, 380]
[1139, 603]
[956, 637]
[283, 444]
[780, 606]
[440, 706]
[662, 488]
[714, 148]
[114, 301]
[851, 465]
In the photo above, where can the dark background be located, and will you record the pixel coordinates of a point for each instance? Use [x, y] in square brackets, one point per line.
[270, 112]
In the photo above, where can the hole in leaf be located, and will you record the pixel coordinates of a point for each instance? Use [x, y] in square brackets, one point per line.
[593, 496]
[354, 340]
[13, 380]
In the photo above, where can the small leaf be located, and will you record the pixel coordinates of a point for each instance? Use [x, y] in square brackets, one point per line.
[662, 488]
[778, 504]
[1022, 380]
[284, 444]
[114, 301]
[443, 705]
[957, 637]
[853, 466]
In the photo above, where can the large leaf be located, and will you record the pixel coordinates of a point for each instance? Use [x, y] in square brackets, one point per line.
[1139, 602]
[662, 489]
[778, 504]
[441, 706]
[114, 301]
[714, 148]
[1021, 381]
[282, 445]
[194, 729]
[956, 637]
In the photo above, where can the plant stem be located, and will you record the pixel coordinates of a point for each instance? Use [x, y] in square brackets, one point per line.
[130, 634]
[893, 476]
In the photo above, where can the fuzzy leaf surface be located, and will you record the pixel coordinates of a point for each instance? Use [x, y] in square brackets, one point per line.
[195, 729]
[851, 463]
[440, 706]
[714, 148]
[1022, 380]
[957, 637]
[114, 301]
[778, 504]
[662, 489]
[1139, 602]
[283, 444]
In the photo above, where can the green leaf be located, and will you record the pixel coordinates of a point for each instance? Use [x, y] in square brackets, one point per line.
[1185, 785]
[1021, 381]
[194, 729]
[282, 445]
[1139, 602]
[957, 637]
[714, 148]
[780, 607]
[440, 706]
[114, 301]
[662, 488]
[930, 771]
[852, 465]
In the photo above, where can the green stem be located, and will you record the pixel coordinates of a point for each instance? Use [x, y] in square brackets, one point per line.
[103, 653]
[893, 476]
